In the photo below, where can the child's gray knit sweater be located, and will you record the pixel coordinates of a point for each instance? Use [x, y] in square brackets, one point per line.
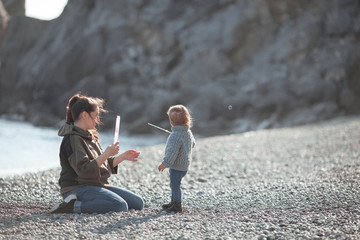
[178, 149]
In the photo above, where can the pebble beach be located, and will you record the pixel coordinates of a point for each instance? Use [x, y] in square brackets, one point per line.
[290, 183]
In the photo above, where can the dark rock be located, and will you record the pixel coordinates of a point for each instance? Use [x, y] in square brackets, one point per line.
[201, 180]
[4, 18]
[276, 63]
[15, 7]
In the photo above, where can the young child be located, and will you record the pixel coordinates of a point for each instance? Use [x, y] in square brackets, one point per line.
[177, 153]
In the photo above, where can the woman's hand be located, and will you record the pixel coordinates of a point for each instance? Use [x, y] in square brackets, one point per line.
[112, 150]
[161, 167]
[130, 155]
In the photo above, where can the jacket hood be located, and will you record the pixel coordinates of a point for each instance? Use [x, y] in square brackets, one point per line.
[71, 129]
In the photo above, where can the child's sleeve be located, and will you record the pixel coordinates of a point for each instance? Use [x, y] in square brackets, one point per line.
[171, 150]
[193, 140]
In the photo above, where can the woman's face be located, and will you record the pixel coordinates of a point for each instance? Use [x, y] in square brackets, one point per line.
[93, 119]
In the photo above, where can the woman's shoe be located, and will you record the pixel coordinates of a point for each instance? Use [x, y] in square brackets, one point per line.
[67, 206]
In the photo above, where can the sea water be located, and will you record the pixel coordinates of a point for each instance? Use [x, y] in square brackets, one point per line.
[26, 148]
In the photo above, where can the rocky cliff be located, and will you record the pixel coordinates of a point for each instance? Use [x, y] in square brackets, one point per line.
[7, 8]
[238, 65]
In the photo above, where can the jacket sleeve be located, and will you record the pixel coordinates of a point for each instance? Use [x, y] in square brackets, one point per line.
[84, 167]
[110, 162]
[114, 170]
[171, 150]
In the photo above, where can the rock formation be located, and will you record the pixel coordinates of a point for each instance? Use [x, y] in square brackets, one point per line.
[7, 8]
[4, 18]
[238, 65]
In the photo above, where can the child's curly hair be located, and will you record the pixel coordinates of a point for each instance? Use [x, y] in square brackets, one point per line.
[180, 115]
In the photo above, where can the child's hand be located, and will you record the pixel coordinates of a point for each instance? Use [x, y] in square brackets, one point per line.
[161, 167]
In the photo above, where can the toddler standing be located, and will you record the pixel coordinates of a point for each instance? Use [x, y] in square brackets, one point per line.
[177, 153]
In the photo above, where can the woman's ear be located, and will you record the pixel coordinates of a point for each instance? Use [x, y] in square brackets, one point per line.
[83, 115]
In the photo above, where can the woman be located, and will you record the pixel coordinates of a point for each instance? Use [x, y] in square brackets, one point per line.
[85, 167]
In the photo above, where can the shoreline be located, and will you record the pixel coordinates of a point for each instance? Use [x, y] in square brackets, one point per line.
[288, 183]
[36, 149]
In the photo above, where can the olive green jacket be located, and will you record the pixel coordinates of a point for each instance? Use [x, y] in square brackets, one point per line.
[78, 152]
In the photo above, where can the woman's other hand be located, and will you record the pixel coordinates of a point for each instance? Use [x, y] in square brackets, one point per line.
[130, 155]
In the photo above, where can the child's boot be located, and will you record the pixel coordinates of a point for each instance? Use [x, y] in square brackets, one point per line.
[176, 207]
[168, 205]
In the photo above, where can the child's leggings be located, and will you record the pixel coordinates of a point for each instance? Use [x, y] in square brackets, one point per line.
[175, 182]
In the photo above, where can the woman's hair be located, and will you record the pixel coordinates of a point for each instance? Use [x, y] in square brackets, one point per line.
[179, 115]
[80, 103]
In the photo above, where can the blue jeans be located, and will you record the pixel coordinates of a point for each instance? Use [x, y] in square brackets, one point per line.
[92, 199]
[175, 182]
